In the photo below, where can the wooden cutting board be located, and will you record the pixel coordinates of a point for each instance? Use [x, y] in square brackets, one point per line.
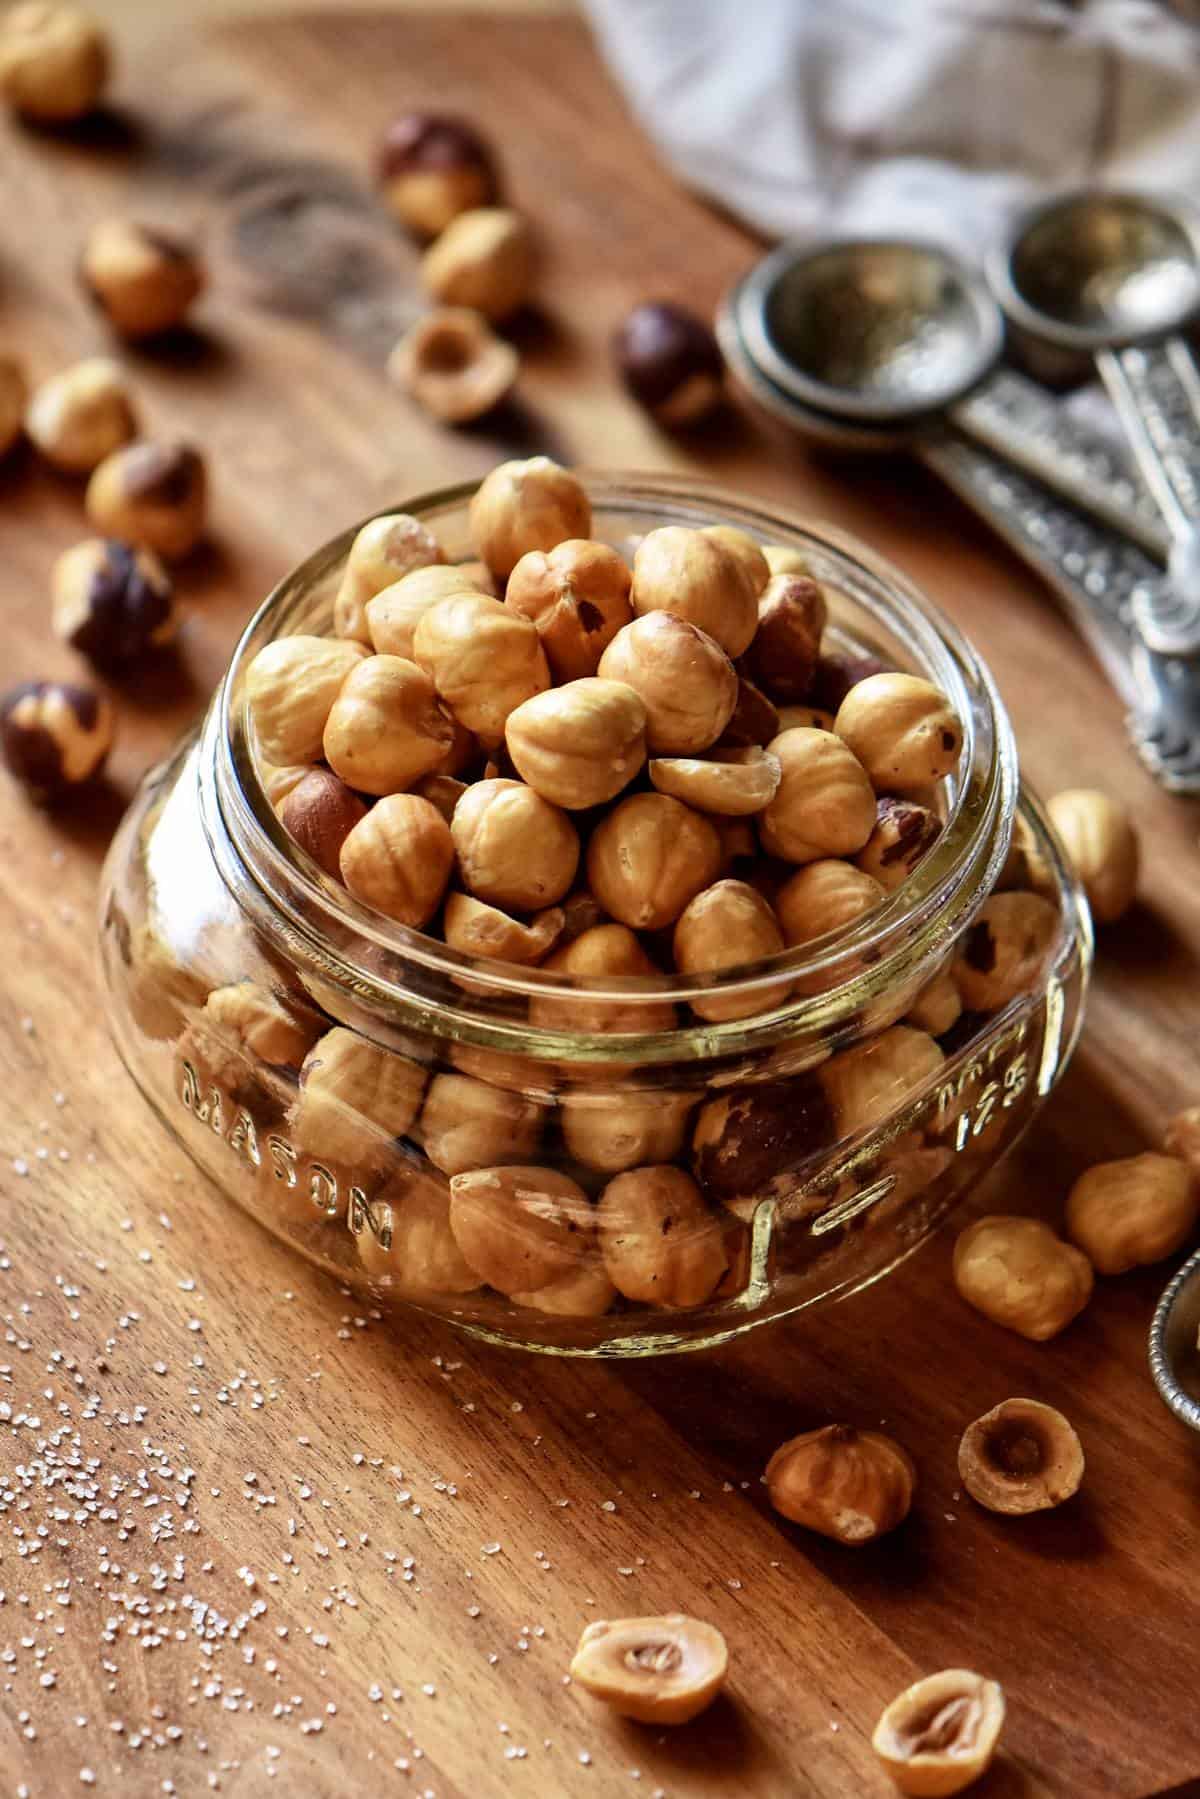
[251, 1537]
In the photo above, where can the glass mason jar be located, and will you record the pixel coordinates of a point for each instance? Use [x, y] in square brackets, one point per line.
[640, 1163]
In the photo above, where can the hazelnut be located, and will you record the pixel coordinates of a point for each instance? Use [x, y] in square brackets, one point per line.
[836, 674]
[484, 259]
[731, 789]
[431, 168]
[869, 1084]
[754, 720]
[112, 603]
[851, 1485]
[151, 494]
[54, 736]
[823, 897]
[615, 1131]
[726, 925]
[355, 1098]
[903, 836]
[656, 1670]
[386, 727]
[521, 1228]
[938, 1006]
[277, 783]
[320, 812]
[251, 1022]
[903, 730]
[738, 841]
[476, 929]
[1020, 1457]
[523, 506]
[746, 1143]
[939, 1736]
[393, 614]
[580, 744]
[1130, 1213]
[81, 415]
[399, 857]
[824, 805]
[53, 61]
[649, 857]
[143, 280]
[514, 848]
[1019, 1274]
[697, 578]
[791, 617]
[744, 549]
[661, 1244]
[467, 1123]
[586, 1292]
[290, 689]
[577, 595]
[782, 559]
[1182, 1138]
[1005, 949]
[421, 1256]
[670, 362]
[384, 551]
[454, 365]
[581, 912]
[599, 951]
[1102, 847]
[484, 660]
[14, 397]
[809, 718]
[442, 791]
[682, 676]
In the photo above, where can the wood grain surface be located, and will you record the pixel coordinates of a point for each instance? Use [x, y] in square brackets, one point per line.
[252, 1539]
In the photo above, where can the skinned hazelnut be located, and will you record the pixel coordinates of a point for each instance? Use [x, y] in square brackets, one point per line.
[476, 929]
[754, 720]
[1101, 846]
[695, 577]
[1020, 1457]
[14, 397]
[484, 660]
[421, 1255]
[1019, 1274]
[731, 789]
[386, 727]
[319, 813]
[661, 1244]
[467, 1123]
[580, 744]
[290, 689]
[53, 61]
[682, 676]
[745, 1141]
[783, 655]
[143, 280]
[521, 1228]
[866, 1085]
[822, 897]
[649, 857]
[743, 548]
[355, 1097]
[152, 494]
[54, 736]
[1182, 1138]
[939, 1736]
[393, 614]
[442, 791]
[383, 552]
[454, 365]
[399, 857]
[253, 1022]
[612, 1132]
[824, 805]
[1130, 1213]
[903, 836]
[903, 730]
[809, 718]
[938, 1006]
[782, 559]
[586, 1292]
[523, 506]
[112, 603]
[81, 415]
[1005, 950]
[515, 849]
[598, 951]
[670, 362]
[431, 168]
[726, 925]
[663, 1670]
[847, 1484]
[484, 259]
[577, 595]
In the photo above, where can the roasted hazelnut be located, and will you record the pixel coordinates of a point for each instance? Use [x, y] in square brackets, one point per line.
[14, 397]
[809, 718]
[586, 1292]
[682, 676]
[1102, 847]
[600, 950]
[735, 788]
[112, 603]
[1005, 950]
[523, 506]
[577, 595]
[431, 168]
[783, 655]
[514, 848]
[824, 805]
[581, 912]
[81, 415]
[476, 929]
[250, 1021]
[53, 61]
[903, 730]
[823, 897]
[1019, 1274]
[692, 575]
[454, 365]
[782, 559]
[661, 1244]
[903, 836]
[484, 660]
[836, 674]
[399, 857]
[670, 362]
[939, 1736]
[738, 839]
[386, 727]
[938, 1006]
[54, 736]
[746, 1141]
[521, 1228]
[1182, 1138]
[290, 689]
[615, 1131]
[355, 1098]
[421, 1255]
[319, 812]
[467, 1123]
[277, 783]
[143, 280]
[649, 857]
[726, 925]
[754, 720]
[484, 259]
[393, 614]
[851, 1485]
[656, 1670]
[383, 552]
[1020, 1457]
[1130, 1213]
[153, 494]
[744, 549]
[579, 745]
[442, 791]
[868, 1084]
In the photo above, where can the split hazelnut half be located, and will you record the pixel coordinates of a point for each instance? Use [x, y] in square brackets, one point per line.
[454, 365]
[939, 1735]
[657, 1670]
[1020, 1457]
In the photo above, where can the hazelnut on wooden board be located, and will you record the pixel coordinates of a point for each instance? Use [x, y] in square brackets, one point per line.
[355, 1097]
[580, 744]
[670, 363]
[598, 951]
[523, 506]
[484, 259]
[153, 494]
[14, 397]
[386, 727]
[432, 167]
[1182, 1138]
[1130, 1213]
[939, 1736]
[454, 365]
[484, 660]
[1019, 1274]
[399, 857]
[938, 1006]
[744, 1141]
[521, 1228]
[782, 659]
[904, 834]
[422, 1256]
[754, 720]
[474, 928]
[290, 689]
[586, 1292]
[393, 614]
[823, 897]
[1005, 950]
[732, 789]
[54, 61]
[661, 1244]
[685, 572]
[514, 848]
[728, 924]
[847, 1484]
[112, 603]
[54, 736]
[142, 279]
[383, 552]
[81, 415]
[467, 1123]
[682, 676]
[1102, 847]
[663, 1670]
[824, 805]
[649, 857]
[615, 1131]
[577, 595]
[319, 812]
[743, 548]
[1020, 1457]
[868, 1083]
[903, 730]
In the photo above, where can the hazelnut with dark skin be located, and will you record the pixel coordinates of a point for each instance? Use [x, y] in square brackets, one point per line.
[782, 659]
[432, 167]
[54, 736]
[112, 603]
[904, 834]
[152, 494]
[670, 362]
[320, 812]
